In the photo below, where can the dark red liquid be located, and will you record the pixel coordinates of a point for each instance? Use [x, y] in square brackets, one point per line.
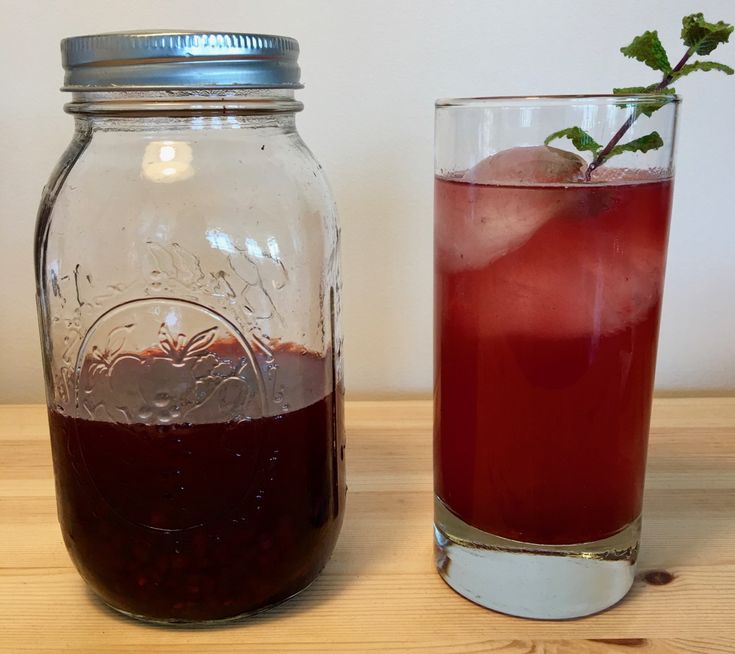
[201, 521]
[545, 357]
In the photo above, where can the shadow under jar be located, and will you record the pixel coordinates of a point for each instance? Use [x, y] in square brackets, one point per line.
[187, 261]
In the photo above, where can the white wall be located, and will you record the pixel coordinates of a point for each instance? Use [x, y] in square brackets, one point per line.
[372, 70]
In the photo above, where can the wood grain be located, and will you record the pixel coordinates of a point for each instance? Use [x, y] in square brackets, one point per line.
[379, 591]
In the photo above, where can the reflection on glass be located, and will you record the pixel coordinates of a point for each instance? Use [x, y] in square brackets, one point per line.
[167, 161]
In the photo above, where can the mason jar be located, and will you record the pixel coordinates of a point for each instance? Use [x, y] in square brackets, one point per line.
[187, 262]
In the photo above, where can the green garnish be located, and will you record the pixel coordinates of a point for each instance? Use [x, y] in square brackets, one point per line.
[652, 141]
[579, 138]
[701, 38]
[648, 48]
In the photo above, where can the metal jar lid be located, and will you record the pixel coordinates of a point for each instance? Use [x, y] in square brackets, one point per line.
[179, 60]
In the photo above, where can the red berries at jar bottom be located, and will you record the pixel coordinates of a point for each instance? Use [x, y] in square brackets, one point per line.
[205, 521]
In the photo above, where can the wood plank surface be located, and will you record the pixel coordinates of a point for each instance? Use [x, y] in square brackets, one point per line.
[380, 592]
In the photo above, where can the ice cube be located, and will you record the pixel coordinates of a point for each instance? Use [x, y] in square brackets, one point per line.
[536, 164]
[492, 211]
[580, 293]
[587, 277]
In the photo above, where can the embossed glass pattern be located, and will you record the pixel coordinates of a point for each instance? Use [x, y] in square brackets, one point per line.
[188, 290]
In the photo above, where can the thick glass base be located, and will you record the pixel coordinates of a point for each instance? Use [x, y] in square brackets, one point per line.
[548, 582]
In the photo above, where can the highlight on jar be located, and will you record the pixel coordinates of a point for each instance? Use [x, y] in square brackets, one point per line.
[167, 162]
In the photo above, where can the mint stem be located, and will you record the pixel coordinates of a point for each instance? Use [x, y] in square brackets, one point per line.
[602, 154]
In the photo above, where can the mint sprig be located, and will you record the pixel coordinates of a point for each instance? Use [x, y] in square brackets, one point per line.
[704, 66]
[584, 142]
[652, 141]
[646, 108]
[701, 38]
[648, 48]
[579, 138]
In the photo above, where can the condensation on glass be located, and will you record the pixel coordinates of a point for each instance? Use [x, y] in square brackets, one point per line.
[187, 261]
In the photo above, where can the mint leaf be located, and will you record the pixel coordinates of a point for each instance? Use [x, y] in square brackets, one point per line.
[652, 141]
[631, 90]
[703, 37]
[646, 108]
[648, 48]
[701, 65]
[581, 139]
[636, 90]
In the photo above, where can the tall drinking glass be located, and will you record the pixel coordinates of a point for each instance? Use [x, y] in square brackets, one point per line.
[548, 282]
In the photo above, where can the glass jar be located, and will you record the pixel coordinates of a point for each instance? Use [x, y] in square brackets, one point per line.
[187, 261]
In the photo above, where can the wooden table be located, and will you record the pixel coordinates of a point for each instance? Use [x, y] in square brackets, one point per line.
[380, 592]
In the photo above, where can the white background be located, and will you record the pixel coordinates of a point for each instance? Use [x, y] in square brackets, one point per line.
[372, 70]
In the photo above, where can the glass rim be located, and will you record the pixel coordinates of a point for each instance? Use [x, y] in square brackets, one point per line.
[556, 99]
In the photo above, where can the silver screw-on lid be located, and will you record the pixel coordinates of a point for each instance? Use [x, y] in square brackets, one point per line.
[179, 60]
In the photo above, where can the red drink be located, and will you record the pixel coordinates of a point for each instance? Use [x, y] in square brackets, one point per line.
[547, 308]
[203, 521]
